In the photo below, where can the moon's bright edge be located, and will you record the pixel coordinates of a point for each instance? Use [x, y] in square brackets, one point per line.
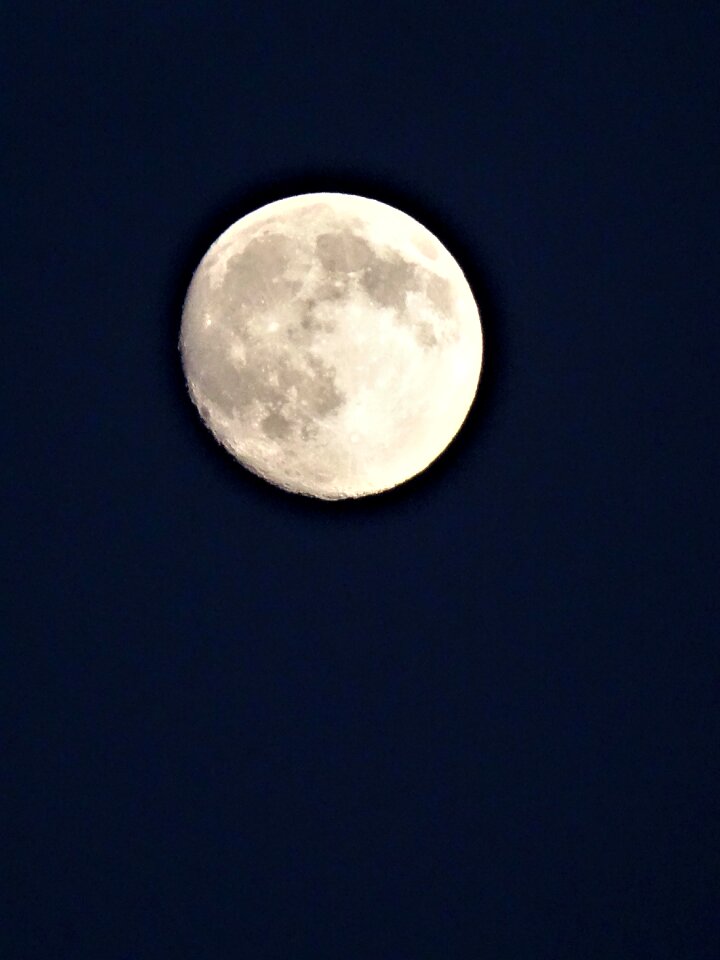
[332, 344]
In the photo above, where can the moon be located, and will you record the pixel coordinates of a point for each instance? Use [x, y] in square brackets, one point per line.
[332, 344]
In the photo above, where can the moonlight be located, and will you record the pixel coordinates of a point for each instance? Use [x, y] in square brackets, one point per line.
[332, 344]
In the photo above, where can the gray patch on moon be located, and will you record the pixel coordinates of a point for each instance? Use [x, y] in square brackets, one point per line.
[255, 278]
[421, 329]
[276, 426]
[425, 334]
[343, 252]
[331, 288]
[320, 389]
[214, 377]
[312, 319]
[440, 294]
[305, 394]
[388, 279]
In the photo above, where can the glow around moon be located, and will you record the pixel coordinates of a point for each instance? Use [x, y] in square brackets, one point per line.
[331, 344]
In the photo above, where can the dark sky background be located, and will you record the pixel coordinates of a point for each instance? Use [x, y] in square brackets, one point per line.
[475, 717]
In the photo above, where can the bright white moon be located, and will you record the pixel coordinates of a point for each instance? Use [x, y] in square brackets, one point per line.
[332, 344]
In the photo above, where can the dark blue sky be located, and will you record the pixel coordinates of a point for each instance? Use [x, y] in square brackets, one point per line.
[475, 717]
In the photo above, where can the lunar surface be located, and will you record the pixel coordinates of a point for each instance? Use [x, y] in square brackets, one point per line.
[331, 344]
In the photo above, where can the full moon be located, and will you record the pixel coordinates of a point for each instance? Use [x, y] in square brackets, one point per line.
[332, 344]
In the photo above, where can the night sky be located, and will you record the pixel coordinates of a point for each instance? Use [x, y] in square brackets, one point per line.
[475, 717]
